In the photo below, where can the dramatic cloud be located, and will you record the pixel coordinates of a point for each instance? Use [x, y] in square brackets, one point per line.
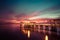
[17, 10]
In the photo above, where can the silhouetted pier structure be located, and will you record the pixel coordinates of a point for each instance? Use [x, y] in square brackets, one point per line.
[52, 26]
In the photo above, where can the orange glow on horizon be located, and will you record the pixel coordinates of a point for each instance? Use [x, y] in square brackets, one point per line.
[28, 21]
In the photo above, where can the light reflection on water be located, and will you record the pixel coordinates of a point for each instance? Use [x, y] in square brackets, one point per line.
[28, 34]
[46, 37]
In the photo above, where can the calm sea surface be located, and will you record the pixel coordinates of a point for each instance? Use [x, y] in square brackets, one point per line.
[13, 32]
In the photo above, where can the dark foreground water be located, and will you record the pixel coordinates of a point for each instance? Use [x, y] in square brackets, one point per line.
[12, 32]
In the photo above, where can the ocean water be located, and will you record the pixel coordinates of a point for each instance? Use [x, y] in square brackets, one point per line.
[13, 32]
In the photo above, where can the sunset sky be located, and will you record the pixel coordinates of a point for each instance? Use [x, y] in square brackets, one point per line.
[12, 10]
